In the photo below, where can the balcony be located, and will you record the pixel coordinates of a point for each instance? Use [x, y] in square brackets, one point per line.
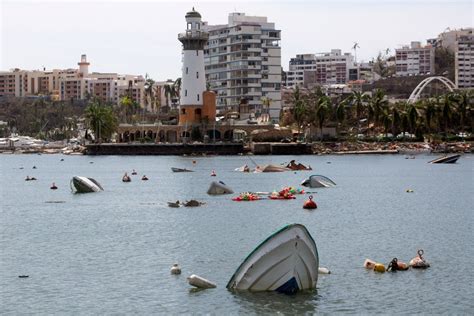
[193, 35]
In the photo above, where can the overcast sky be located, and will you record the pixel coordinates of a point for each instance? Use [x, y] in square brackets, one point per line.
[138, 37]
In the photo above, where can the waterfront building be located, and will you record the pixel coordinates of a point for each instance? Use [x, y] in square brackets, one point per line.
[464, 61]
[415, 60]
[321, 69]
[72, 84]
[196, 104]
[243, 62]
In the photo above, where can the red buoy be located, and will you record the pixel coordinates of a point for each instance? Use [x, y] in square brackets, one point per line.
[310, 204]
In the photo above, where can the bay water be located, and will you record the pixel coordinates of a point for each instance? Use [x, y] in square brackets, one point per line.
[110, 252]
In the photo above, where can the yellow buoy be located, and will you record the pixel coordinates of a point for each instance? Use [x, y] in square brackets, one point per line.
[379, 267]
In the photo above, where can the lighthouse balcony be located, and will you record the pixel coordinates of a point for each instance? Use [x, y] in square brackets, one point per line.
[193, 35]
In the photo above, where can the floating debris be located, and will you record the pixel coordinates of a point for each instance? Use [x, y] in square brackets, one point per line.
[200, 282]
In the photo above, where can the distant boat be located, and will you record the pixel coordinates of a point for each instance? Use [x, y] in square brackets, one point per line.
[85, 185]
[446, 159]
[318, 181]
[285, 262]
[180, 170]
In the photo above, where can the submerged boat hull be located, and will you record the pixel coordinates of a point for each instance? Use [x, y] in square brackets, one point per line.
[446, 159]
[85, 185]
[217, 188]
[318, 181]
[285, 262]
[180, 170]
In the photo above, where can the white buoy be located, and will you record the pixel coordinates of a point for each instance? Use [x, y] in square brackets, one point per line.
[323, 270]
[175, 269]
[200, 282]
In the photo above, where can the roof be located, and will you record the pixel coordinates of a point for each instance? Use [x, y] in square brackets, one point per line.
[193, 14]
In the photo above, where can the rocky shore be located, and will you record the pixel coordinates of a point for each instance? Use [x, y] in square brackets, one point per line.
[391, 147]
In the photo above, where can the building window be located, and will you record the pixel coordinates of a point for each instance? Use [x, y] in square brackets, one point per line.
[197, 74]
[186, 70]
[183, 111]
[185, 93]
[197, 52]
[198, 97]
[189, 26]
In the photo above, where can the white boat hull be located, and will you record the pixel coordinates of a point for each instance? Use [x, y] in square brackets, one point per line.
[286, 262]
[318, 181]
[85, 185]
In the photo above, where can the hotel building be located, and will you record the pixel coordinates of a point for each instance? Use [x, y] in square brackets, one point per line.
[321, 69]
[415, 60]
[72, 84]
[464, 61]
[243, 62]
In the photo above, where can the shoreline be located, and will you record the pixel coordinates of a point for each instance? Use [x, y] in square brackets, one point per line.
[316, 148]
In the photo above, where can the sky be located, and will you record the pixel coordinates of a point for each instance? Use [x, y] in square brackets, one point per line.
[140, 37]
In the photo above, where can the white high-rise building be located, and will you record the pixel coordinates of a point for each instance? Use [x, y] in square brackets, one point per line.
[414, 60]
[464, 61]
[243, 61]
[320, 69]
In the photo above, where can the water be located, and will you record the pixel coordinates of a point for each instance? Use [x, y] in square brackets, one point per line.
[111, 252]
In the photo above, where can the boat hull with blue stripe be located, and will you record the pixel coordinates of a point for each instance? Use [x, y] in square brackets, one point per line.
[286, 262]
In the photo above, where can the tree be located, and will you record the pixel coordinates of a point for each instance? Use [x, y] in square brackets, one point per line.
[446, 111]
[412, 117]
[299, 108]
[101, 120]
[148, 91]
[377, 104]
[322, 112]
[462, 101]
[430, 112]
[358, 102]
[340, 114]
[266, 104]
[396, 120]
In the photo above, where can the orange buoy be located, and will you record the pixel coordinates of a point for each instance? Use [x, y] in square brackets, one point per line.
[53, 186]
[310, 204]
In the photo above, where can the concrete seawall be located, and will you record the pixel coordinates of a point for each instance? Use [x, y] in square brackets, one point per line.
[164, 149]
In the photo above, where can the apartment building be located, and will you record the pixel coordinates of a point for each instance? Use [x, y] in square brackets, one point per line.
[321, 69]
[448, 39]
[72, 84]
[464, 62]
[414, 60]
[243, 62]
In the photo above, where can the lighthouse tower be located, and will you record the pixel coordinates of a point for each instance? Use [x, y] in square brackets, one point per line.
[193, 98]
[83, 66]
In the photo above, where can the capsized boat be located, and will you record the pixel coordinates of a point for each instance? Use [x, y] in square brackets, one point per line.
[286, 262]
[180, 170]
[298, 166]
[271, 168]
[85, 185]
[217, 188]
[318, 181]
[446, 159]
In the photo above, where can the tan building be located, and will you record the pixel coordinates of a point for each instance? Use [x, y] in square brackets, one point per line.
[414, 60]
[72, 84]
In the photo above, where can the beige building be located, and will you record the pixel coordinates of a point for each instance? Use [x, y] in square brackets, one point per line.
[72, 84]
[414, 60]
[464, 61]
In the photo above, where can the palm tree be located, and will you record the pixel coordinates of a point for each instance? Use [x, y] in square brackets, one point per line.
[169, 94]
[430, 112]
[446, 111]
[266, 104]
[341, 114]
[299, 108]
[322, 111]
[396, 120]
[357, 101]
[462, 101]
[412, 117]
[377, 102]
[101, 120]
[148, 89]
